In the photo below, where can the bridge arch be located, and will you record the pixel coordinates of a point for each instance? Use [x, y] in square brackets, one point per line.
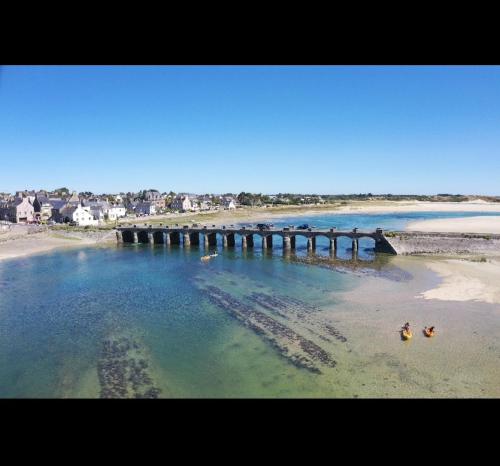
[142, 236]
[127, 236]
[158, 237]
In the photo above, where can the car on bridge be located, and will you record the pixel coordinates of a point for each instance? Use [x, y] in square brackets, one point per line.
[304, 226]
[264, 226]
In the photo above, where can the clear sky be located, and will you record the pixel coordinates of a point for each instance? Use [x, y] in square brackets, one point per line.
[308, 129]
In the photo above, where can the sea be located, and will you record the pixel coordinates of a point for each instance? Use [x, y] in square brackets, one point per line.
[142, 321]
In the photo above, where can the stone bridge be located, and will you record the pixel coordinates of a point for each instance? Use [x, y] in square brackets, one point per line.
[190, 235]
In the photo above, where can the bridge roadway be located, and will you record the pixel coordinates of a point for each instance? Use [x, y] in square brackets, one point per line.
[160, 234]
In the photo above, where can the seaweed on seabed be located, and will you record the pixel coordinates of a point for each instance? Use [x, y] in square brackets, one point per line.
[150, 393]
[120, 374]
[272, 331]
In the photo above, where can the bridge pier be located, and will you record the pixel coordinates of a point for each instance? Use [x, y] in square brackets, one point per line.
[210, 239]
[267, 241]
[119, 237]
[311, 243]
[333, 244]
[355, 244]
[244, 241]
[224, 240]
[186, 240]
[136, 238]
[287, 242]
[249, 240]
[292, 242]
[151, 239]
[175, 237]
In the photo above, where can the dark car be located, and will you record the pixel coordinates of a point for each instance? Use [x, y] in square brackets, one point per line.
[264, 226]
[304, 226]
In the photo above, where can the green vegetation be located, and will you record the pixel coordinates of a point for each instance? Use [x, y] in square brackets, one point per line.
[64, 227]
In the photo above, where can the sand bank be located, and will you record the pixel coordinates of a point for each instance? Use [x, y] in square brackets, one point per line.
[466, 281]
[458, 225]
[21, 246]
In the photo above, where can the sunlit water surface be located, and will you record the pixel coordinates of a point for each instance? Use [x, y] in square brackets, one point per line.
[155, 321]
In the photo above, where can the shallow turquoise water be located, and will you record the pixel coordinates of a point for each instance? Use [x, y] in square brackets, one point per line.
[243, 325]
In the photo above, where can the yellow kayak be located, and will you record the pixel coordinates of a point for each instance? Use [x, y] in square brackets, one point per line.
[406, 334]
[429, 333]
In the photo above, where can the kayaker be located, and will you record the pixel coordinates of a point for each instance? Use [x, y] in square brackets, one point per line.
[406, 326]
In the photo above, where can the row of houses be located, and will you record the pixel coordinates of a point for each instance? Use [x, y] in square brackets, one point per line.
[89, 209]
[180, 203]
[40, 208]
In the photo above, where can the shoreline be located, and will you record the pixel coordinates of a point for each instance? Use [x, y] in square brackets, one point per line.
[12, 248]
[41, 243]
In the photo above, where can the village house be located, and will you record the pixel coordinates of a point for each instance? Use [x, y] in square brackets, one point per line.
[228, 203]
[116, 211]
[102, 210]
[97, 209]
[79, 214]
[57, 206]
[181, 203]
[155, 197]
[145, 208]
[18, 211]
[42, 206]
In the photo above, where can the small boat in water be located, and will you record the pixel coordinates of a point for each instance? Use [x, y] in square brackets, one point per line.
[406, 334]
[429, 332]
[208, 257]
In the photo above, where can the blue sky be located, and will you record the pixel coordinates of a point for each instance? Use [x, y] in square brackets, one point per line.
[309, 129]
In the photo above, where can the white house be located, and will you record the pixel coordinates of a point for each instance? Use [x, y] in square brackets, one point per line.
[116, 211]
[79, 214]
[228, 203]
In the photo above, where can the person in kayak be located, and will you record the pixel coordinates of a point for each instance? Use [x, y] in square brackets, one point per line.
[429, 331]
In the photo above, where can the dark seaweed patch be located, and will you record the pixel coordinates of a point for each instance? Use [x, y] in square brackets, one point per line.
[123, 376]
[285, 306]
[294, 347]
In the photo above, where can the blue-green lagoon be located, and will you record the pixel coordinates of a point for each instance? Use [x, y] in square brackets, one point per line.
[154, 321]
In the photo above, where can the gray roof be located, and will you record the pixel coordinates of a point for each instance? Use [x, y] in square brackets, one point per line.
[57, 204]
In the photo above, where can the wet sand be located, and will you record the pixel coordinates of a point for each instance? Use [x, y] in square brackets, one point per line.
[465, 280]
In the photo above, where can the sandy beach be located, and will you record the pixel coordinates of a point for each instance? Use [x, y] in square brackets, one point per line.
[19, 243]
[458, 225]
[465, 280]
